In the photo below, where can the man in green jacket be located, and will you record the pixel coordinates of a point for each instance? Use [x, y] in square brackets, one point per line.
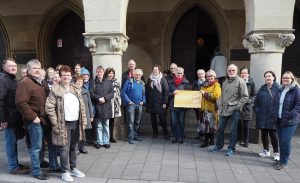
[234, 96]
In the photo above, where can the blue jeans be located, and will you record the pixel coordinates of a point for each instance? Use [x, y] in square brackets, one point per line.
[285, 135]
[233, 118]
[134, 114]
[177, 122]
[102, 130]
[36, 136]
[11, 149]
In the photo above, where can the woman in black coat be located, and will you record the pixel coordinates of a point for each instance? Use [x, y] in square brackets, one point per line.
[246, 114]
[288, 116]
[266, 114]
[157, 98]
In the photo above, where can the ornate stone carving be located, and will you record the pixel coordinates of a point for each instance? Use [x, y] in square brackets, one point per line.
[286, 39]
[118, 43]
[256, 40]
[90, 43]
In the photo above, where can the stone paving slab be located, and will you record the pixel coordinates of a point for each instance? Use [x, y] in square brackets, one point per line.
[159, 161]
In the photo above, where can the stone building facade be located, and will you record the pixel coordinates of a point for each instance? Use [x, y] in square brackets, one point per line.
[254, 33]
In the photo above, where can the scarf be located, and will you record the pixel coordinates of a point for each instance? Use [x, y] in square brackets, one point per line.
[178, 81]
[155, 81]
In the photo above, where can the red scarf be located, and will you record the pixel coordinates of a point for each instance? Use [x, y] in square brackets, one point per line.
[178, 81]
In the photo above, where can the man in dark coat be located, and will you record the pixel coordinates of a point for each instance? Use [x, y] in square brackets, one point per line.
[10, 118]
[102, 94]
[30, 101]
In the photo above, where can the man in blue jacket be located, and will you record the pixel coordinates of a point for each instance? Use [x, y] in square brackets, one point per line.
[133, 94]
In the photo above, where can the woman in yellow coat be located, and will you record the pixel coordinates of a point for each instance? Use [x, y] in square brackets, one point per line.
[211, 92]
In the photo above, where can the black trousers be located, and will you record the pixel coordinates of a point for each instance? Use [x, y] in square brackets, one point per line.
[265, 139]
[163, 122]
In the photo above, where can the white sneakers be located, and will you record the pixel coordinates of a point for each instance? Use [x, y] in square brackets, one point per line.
[67, 176]
[276, 157]
[265, 153]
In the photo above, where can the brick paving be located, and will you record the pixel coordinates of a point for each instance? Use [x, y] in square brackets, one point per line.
[157, 160]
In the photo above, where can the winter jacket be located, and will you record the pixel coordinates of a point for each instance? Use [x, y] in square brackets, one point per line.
[291, 106]
[8, 110]
[88, 107]
[30, 100]
[104, 89]
[247, 110]
[55, 110]
[265, 107]
[172, 87]
[134, 92]
[156, 99]
[212, 94]
[234, 95]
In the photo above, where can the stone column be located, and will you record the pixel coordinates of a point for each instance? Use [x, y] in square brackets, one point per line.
[266, 48]
[107, 50]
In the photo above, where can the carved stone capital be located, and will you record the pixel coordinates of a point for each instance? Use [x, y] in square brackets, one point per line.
[268, 41]
[106, 43]
[90, 43]
[119, 43]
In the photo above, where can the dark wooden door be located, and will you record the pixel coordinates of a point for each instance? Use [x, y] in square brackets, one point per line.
[68, 43]
[2, 45]
[194, 25]
[291, 56]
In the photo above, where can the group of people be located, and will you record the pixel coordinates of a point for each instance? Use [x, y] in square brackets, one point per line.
[65, 109]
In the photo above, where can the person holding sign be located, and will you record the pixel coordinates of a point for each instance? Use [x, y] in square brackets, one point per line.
[177, 113]
[211, 91]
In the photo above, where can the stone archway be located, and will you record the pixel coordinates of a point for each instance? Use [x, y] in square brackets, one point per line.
[211, 8]
[4, 43]
[49, 22]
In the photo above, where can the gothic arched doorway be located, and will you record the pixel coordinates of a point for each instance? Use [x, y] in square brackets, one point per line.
[2, 45]
[68, 43]
[290, 58]
[194, 38]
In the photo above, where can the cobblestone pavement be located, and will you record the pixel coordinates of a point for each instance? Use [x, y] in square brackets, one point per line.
[157, 160]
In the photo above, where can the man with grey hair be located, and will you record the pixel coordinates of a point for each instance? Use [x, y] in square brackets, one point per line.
[10, 118]
[30, 101]
[133, 95]
[234, 96]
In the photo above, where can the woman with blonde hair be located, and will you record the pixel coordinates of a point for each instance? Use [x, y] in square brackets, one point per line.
[211, 91]
[288, 116]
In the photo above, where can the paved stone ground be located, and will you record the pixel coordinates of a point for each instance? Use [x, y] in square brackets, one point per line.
[154, 161]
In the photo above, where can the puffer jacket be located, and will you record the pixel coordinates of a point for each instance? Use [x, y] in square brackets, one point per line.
[55, 110]
[234, 95]
[291, 106]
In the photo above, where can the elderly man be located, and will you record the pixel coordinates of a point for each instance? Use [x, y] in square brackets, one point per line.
[234, 96]
[30, 101]
[133, 95]
[170, 77]
[10, 118]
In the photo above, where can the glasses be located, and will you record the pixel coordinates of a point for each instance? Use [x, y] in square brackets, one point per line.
[179, 73]
[209, 76]
[231, 70]
[67, 75]
[12, 66]
[286, 78]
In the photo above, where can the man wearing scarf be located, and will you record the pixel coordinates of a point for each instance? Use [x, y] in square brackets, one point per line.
[10, 118]
[30, 101]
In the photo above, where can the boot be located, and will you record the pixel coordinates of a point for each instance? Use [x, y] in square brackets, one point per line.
[205, 144]
[211, 139]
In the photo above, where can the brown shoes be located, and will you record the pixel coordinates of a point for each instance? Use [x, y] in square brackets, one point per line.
[20, 171]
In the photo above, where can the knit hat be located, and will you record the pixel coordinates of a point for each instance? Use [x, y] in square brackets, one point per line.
[84, 71]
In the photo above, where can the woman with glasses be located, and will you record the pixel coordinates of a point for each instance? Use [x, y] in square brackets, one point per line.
[266, 114]
[177, 114]
[288, 116]
[211, 91]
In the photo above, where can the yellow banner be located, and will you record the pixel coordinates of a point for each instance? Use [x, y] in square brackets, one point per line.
[188, 99]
